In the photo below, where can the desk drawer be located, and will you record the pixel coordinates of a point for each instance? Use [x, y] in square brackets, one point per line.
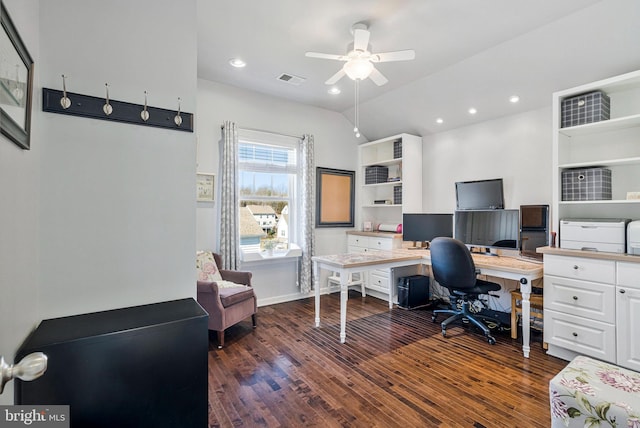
[581, 298]
[594, 338]
[380, 243]
[358, 241]
[378, 282]
[579, 268]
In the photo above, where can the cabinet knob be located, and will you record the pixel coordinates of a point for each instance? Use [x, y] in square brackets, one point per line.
[622, 291]
[575, 297]
[575, 334]
[575, 267]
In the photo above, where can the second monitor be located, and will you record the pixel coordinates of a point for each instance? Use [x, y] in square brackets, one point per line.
[421, 228]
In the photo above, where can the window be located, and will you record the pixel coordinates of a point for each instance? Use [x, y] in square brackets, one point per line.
[267, 188]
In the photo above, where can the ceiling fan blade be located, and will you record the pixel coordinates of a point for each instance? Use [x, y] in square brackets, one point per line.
[360, 39]
[326, 56]
[394, 56]
[333, 79]
[377, 77]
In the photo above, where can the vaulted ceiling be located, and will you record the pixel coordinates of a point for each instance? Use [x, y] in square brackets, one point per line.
[469, 53]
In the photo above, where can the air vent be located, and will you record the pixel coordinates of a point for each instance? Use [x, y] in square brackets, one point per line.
[291, 79]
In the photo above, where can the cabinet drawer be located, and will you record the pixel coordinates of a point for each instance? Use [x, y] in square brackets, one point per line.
[579, 268]
[378, 282]
[380, 243]
[357, 241]
[591, 300]
[594, 338]
[629, 274]
[356, 249]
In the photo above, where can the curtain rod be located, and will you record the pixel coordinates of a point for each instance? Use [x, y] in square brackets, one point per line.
[301, 137]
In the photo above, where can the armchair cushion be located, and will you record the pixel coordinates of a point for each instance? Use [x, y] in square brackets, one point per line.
[231, 296]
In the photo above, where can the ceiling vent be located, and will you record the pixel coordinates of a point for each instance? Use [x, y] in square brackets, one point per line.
[291, 79]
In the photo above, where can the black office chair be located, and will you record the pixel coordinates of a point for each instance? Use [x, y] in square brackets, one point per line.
[454, 269]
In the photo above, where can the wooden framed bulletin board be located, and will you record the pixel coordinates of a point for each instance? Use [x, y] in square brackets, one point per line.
[335, 197]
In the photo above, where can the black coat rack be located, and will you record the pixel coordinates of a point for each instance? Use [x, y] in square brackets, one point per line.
[93, 107]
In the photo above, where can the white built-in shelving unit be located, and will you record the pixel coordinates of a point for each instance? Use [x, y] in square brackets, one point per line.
[613, 144]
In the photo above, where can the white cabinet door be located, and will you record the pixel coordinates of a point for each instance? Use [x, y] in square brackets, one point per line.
[628, 327]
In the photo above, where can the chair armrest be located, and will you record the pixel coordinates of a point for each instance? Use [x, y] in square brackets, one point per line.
[208, 287]
[239, 277]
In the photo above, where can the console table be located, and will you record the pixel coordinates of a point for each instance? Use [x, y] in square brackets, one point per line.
[502, 267]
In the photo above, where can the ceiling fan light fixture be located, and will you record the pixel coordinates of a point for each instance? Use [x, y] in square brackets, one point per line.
[358, 68]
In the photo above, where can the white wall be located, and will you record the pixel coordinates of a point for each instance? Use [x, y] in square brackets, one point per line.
[99, 215]
[515, 148]
[19, 207]
[117, 216]
[335, 147]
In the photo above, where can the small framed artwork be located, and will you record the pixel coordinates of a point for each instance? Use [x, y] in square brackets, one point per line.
[205, 187]
[335, 197]
[16, 84]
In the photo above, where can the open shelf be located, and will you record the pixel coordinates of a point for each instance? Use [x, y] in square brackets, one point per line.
[602, 126]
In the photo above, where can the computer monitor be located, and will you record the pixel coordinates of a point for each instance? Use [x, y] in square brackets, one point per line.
[488, 228]
[480, 195]
[421, 228]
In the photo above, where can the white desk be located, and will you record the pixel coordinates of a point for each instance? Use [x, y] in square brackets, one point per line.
[502, 267]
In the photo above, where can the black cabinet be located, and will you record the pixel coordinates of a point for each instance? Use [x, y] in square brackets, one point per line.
[143, 366]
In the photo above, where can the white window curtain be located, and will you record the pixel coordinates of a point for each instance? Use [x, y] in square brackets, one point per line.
[307, 211]
[229, 248]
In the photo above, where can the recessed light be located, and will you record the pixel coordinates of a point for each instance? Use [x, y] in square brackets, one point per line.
[439, 120]
[472, 110]
[237, 62]
[514, 99]
[334, 91]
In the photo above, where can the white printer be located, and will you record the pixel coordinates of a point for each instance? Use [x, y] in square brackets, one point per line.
[633, 238]
[594, 234]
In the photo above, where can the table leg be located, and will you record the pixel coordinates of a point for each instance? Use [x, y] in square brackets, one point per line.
[525, 289]
[344, 294]
[316, 286]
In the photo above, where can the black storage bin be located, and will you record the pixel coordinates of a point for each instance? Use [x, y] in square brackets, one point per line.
[376, 174]
[413, 291]
[585, 108]
[586, 184]
[397, 149]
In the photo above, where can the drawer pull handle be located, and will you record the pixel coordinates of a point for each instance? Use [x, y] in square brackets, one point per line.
[622, 291]
[575, 267]
[575, 297]
[575, 334]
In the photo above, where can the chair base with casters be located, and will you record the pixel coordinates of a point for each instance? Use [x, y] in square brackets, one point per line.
[464, 312]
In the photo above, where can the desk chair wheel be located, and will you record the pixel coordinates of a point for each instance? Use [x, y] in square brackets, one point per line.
[491, 340]
[433, 318]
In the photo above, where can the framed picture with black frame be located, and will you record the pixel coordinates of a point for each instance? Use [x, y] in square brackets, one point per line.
[16, 84]
[335, 197]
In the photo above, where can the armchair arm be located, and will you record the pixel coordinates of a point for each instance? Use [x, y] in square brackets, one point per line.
[239, 277]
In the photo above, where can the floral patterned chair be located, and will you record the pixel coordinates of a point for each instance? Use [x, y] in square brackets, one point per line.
[225, 294]
[591, 393]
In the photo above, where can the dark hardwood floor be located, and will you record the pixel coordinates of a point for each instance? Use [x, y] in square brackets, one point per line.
[395, 370]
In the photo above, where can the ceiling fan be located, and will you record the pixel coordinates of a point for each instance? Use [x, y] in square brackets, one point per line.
[359, 59]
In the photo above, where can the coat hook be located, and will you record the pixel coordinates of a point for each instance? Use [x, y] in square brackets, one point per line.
[178, 119]
[144, 114]
[107, 108]
[65, 102]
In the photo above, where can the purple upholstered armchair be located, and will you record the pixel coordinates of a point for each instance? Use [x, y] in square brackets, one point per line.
[225, 294]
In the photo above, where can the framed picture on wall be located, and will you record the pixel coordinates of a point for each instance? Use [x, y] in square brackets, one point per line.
[205, 187]
[335, 197]
[16, 84]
